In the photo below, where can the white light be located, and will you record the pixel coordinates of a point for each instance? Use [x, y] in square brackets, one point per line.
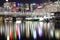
[18, 21]
[14, 5]
[6, 0]
[41, 18]
[29, 18]
[34, 34]
[8, 37]
[40, 32]
[47, 17]
[27, 8]
[5, 12]
[35, 17]
[52, 13]
[51, 33]
[33, 3]
[39, 7]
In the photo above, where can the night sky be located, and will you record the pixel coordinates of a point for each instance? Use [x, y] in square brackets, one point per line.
[25, 1]
[31, 1]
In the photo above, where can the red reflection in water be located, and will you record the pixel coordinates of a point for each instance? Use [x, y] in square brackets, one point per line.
[11, 36]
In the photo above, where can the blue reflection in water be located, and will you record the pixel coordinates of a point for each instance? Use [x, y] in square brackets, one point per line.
[40, 32]
[51, 33]
[40, 29]
[34, 34]
[19, 31]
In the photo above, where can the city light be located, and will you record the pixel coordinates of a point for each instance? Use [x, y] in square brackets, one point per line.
[41, 24]
[8, 38]
[18, 4]
[14, 4]
[33, 3]
[52, 33]
[57, 34]
[39, 6]
[34, 34]
[29, 21]
[18, 21]
[40, 32]
[19, 32]
[11, 36]
[41, 18]
[29, 18]
[6, 0]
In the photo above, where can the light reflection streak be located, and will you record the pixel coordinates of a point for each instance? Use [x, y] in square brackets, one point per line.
[34, 34]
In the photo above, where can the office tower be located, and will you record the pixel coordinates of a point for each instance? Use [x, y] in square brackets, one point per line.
[31, 7]
[26, 7]
[7, 7]
[22, 7]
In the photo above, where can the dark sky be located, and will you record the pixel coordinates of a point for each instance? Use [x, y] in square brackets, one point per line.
[37, 1]
[25, 1]
[31, 1]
